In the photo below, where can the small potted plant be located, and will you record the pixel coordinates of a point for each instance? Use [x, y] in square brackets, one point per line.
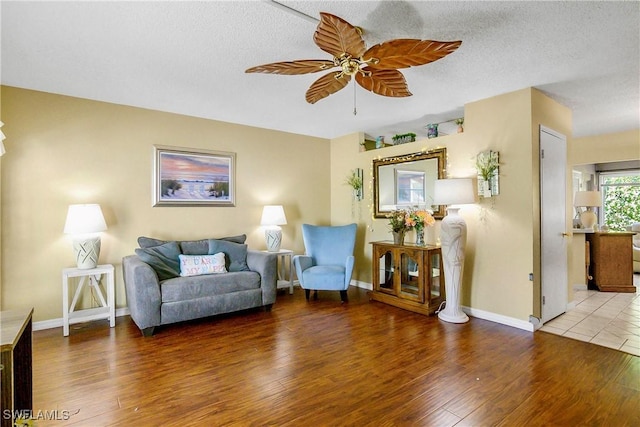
[460, 122]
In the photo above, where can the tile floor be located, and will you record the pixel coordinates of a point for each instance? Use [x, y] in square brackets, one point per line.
[604, 318]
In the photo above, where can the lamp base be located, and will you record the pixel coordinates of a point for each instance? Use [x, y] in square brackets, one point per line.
[273, 238]
[588, 218]
[87, 251]
[456, 316]
[453, 238]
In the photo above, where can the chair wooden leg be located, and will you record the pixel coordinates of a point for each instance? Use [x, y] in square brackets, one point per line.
[306, 293]
[343, 296]
[315, 294]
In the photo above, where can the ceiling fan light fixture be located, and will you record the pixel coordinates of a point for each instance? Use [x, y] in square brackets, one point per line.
[379, 74]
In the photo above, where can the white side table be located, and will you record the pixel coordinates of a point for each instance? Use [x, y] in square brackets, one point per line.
[284, 256]
[107, 311]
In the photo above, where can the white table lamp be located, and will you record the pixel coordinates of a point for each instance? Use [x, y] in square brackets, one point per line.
[588, 200]
[272, 218]
[453, 238]
[84, 223]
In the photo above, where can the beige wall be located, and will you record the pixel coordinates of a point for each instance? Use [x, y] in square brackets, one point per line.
[503, 242]
[612, 147]
[65, 150]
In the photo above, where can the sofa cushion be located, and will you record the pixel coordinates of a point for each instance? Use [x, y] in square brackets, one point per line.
[196, 265]
[162, 258]
[236, 254]
[190, 247]
[188, 288]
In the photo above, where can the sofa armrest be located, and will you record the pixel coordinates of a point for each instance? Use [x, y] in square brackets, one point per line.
[143, 292]
[265, 264]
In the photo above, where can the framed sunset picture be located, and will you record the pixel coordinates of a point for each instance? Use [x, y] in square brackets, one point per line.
[193, 177]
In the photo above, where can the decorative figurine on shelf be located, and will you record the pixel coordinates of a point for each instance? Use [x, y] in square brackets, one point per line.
[380, 142]
[432, 130]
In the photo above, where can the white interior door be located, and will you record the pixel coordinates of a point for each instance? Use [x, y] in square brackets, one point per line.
[553, 164]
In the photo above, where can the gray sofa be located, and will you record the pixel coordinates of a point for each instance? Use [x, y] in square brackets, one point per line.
[158, 295]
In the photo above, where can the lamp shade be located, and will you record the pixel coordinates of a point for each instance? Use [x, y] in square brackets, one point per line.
[82, 219]
[587, 198]
[453, 191]
[273, 215]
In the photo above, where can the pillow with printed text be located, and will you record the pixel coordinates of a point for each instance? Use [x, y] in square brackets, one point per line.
[196, 265]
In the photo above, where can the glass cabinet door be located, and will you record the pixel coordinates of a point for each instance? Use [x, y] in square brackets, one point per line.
[435, 269]
[386, 264]
[411, 284]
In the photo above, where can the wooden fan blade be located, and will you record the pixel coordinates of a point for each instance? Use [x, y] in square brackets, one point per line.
[336, 36]
[384, 82]
[293, 67]
[404, 53]
[325, 86]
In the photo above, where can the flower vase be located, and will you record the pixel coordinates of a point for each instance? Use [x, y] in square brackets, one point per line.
[398, 237]
[420, 237]
[486, 188]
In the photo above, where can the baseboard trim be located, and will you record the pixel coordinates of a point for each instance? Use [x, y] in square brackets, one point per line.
[363, 285]
[499, 318]
[473, 312]
[57, 323]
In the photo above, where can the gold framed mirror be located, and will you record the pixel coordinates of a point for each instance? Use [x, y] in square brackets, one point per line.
[407, 181]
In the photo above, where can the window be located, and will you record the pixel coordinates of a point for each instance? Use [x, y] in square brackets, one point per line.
[410, 187]
[620, 199]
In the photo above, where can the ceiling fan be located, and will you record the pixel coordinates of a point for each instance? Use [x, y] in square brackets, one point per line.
[375, 69]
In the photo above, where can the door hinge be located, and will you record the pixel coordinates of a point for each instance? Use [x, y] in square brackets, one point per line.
[543, 300]
[542, 153]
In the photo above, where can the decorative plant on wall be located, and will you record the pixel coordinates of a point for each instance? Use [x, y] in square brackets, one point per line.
[487, 164]
[356, 182]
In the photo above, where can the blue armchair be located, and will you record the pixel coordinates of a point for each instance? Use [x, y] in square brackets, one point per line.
[328, 262]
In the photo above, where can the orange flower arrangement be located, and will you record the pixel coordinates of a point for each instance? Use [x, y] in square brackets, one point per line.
[419, 219]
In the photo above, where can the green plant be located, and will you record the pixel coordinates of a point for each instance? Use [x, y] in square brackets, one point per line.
[459, 121]
[405, 137]
[621, 202]
[354, 181]
[487, 164]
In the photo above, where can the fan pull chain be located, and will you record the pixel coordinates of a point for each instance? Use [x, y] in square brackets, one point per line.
[355, 111]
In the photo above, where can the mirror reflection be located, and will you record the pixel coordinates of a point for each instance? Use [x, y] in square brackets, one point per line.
[407, 181]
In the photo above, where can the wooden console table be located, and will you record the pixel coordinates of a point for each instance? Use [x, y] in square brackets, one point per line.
[408, 276]
[611, 262]
[16, 372]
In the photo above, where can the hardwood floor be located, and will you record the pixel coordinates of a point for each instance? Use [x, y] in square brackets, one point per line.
[323, 363]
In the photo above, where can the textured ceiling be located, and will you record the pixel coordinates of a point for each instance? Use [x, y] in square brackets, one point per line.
[190, 57]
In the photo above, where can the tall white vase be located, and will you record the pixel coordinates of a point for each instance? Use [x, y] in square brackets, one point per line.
[453, 239]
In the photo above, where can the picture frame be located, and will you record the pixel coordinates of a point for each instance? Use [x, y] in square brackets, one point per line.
[193, 177]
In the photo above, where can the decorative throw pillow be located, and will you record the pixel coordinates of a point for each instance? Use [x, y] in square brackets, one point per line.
[196, 265]
[236, 254]
[162, 258]
[189, 246]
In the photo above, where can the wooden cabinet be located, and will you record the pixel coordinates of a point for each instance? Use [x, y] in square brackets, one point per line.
[15, 366]
[611, 257]
[408, 276]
